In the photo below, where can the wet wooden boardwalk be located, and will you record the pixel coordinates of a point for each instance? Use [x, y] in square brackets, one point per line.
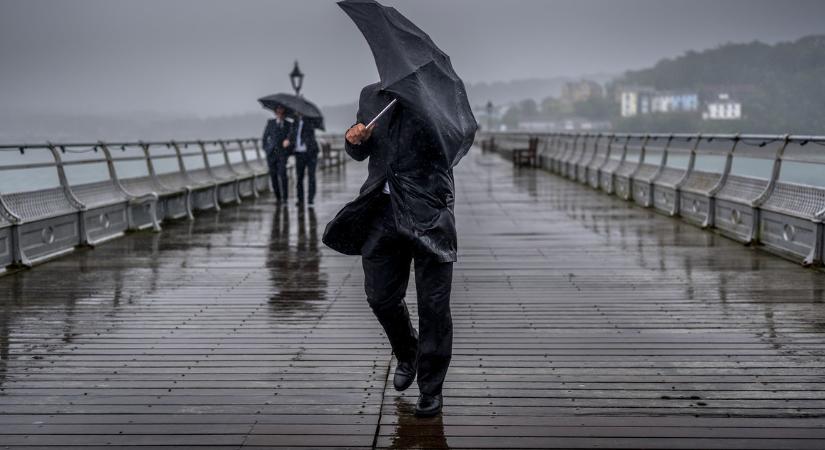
[581, 321]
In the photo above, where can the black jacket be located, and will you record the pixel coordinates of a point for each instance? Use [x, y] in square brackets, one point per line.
[307, 136]
[402, 151]
[274, 136]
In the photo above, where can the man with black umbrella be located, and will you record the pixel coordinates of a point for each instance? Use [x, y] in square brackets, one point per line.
[299, 137]
[401, 153]
[421, 127]
[277, 145]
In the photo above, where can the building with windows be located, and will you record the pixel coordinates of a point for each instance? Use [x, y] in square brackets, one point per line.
[723, 108]
[670, 102]
[636, 101]
[580, 91]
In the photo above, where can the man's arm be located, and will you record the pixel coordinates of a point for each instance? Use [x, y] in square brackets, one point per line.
[358, 144]
[267, 139]
[287, 139]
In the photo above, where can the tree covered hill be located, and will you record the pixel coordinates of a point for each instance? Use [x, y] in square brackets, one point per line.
[781, 86]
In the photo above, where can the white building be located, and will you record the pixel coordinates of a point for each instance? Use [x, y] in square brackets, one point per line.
[668, 102]
[635, 101]
[723, 108]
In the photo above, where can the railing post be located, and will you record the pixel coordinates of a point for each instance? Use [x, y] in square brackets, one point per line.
[249, 168]
[580, 157]
[610, 142]
[67, 191]
[64, 182]
[206, 164]
[179, 157]
[663, 163]
[151, 198]
[691, 163]
[776, 170]
[190, 210]
[711, 219]
[232, 170]
[595, 151]
[243, 153]
[641, 161]
[149, 164]
[110, 164]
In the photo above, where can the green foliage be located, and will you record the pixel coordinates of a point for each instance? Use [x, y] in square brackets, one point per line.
[596, 108]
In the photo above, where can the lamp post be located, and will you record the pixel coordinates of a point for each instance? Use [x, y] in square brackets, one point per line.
[489, 116]
[296, 77]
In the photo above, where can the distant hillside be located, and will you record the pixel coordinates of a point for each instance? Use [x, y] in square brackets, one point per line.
[340, 117]
[506, 92]
[782, 86]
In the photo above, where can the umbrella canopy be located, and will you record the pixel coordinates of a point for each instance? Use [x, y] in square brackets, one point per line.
[294, 105]
[418, 74]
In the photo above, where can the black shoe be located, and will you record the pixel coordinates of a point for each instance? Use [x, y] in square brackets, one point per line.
[299, 203]
[428, 405]
[404, 376]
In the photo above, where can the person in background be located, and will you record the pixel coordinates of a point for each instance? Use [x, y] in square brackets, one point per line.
[277, 146]
[306, 158]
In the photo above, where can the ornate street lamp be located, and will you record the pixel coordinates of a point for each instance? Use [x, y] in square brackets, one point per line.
[296, 77]
[489, 115]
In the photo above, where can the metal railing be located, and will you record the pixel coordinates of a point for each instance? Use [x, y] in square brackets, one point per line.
[765, 190]
[55, 197]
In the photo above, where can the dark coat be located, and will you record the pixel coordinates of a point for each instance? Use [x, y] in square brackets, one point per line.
[307, 136]
[274, 136]
[402, 151]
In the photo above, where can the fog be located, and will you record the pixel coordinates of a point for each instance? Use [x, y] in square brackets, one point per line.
[211, 58]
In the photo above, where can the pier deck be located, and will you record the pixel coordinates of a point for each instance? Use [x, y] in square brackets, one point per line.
[580, 321]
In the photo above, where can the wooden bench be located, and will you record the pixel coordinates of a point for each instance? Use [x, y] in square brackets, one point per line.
[488, 145]
[527, 156]
[330, 157]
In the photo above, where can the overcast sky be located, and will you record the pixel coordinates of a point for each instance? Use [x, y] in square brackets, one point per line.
[215, 57]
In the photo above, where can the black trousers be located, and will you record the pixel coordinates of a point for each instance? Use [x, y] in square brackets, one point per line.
[305, 163]
[386, 256]
[277, 173]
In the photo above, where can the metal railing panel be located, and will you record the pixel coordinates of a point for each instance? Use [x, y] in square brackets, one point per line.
[236, 159]
[6, 244]
[764, 189]
[633, 155]
[54, 197]
[615, 158]
[791, 208]
[600, 158]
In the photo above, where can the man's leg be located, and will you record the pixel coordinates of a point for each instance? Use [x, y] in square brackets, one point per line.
[273, 163]
[282, 175]
[433, 282]
[386, 260]
[312, 162]
[300, 166]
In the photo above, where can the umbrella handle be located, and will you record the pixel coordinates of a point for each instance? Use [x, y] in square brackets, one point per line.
[386, 108]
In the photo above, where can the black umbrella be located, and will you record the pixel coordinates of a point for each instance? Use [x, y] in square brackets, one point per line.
[418, 74]
[294, 105]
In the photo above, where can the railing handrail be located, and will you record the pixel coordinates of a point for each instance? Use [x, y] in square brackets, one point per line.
[704, 136]
[123, 143]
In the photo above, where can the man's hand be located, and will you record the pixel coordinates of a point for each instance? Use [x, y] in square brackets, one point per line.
[285, 144]
[359, 133]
